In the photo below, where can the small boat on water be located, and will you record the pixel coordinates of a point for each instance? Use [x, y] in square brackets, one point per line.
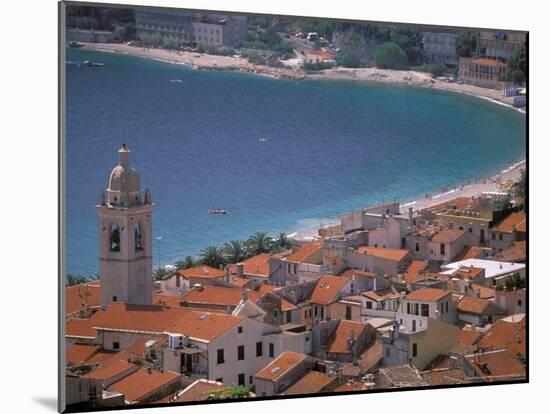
[176, 81]
[90, 63]
[218, 211]
[262, 140]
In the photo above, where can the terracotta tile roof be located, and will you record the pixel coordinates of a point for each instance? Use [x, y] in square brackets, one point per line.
[428, 294]
[483, 291]
[166, 299]
[255, 266]
[239, 281]
[447, 235]
[140, 384]
[473, 252]
[280, 365]
[445, 376]
[414, 271]
[496, 365]
[516, 221]
[304, 252]
[468, 337]
[390, 254]
[152, 319]
[198, 391]
[80, 328]
[358, 272]
[351, 386]
[214, 295]
[112, 367]
[100, 357]
[511, 336]
[476, 306]
[77, 354]
[517, 252]
[469, 272]
[488, 62]
[312, 382]
[266, 288]
[80, 296]
[337, 342]
[201, 271]
[380, 296]
[327, 289]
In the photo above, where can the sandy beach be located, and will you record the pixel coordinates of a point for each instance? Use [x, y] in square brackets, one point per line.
[204, 61]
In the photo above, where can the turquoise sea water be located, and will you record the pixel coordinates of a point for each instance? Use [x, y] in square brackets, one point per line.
[331, 147]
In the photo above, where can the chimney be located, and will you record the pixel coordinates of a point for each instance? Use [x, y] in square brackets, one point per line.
[410, 216]
[240, 270]
[227, 273]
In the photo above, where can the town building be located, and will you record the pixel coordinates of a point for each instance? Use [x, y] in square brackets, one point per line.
[319, 56]
[440, 48]
[432, 303]
[484, 72]
[499, 45]
[496, 273]
[125, 237]
[512, 228]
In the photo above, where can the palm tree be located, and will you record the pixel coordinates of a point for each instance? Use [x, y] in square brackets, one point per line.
[235, 251]
[186, 263]
[212, 256]
[72, 280]
[282, 241]
[260, 242]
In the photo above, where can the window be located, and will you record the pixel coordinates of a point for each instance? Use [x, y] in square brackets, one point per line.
[442, 249]
[305, 314]
[271, 350]
[138, 246]
[219, 380]
[221, 358]
[241, 379]
[493, 236]
[416, 309]
[415, 349]
[322, 312]
[447, 307]
[369, 305]
[116, 345]
[115, 298]
[250, 379]
[288, 317]
[500, 236]
[414, 325]
[470, 230]
[348, 312]
[519, 302]
[259, 349]
[240, 329]
[276, 314]
[416, 246]
[425, 310]
[240, 352]
[115, 238]
[408, 308]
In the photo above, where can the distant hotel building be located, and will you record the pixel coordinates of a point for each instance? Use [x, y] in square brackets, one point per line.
[484, 72]
[499, 45]
[440, 48]
[193, 28]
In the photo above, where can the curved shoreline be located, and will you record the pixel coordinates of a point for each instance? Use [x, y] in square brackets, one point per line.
[203, 61]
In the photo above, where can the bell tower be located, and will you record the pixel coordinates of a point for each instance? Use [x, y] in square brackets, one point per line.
[125, 237]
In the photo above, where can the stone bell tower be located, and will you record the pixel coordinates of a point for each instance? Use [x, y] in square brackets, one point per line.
[125, 239]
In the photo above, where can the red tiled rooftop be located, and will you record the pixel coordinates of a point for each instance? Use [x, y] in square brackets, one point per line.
[80, 328]
[198, 391]
[201, 271]
[447, 235]
[505, 335]
[255, 266]
[469, 304]
[327, 288]
[385, 253]
[112, 367]
[312, 382]
[77, 354]
[338, 340]
[496, 365]
[142, 383]
[516, 221]
[517, 252]
[78, 297]
[306, 251]
[428, 294]
[348, 273]
[280, 365]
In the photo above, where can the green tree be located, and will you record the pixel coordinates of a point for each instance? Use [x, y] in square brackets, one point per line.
[519, 189]
[72, 279]
[348, 60]
[186, 263]
[260, 242]
[466, 44]
[235, 251]
[160, 273]
[389, 56]
[212, 256]
[436, 69]
[517, 65]
[282, 241]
